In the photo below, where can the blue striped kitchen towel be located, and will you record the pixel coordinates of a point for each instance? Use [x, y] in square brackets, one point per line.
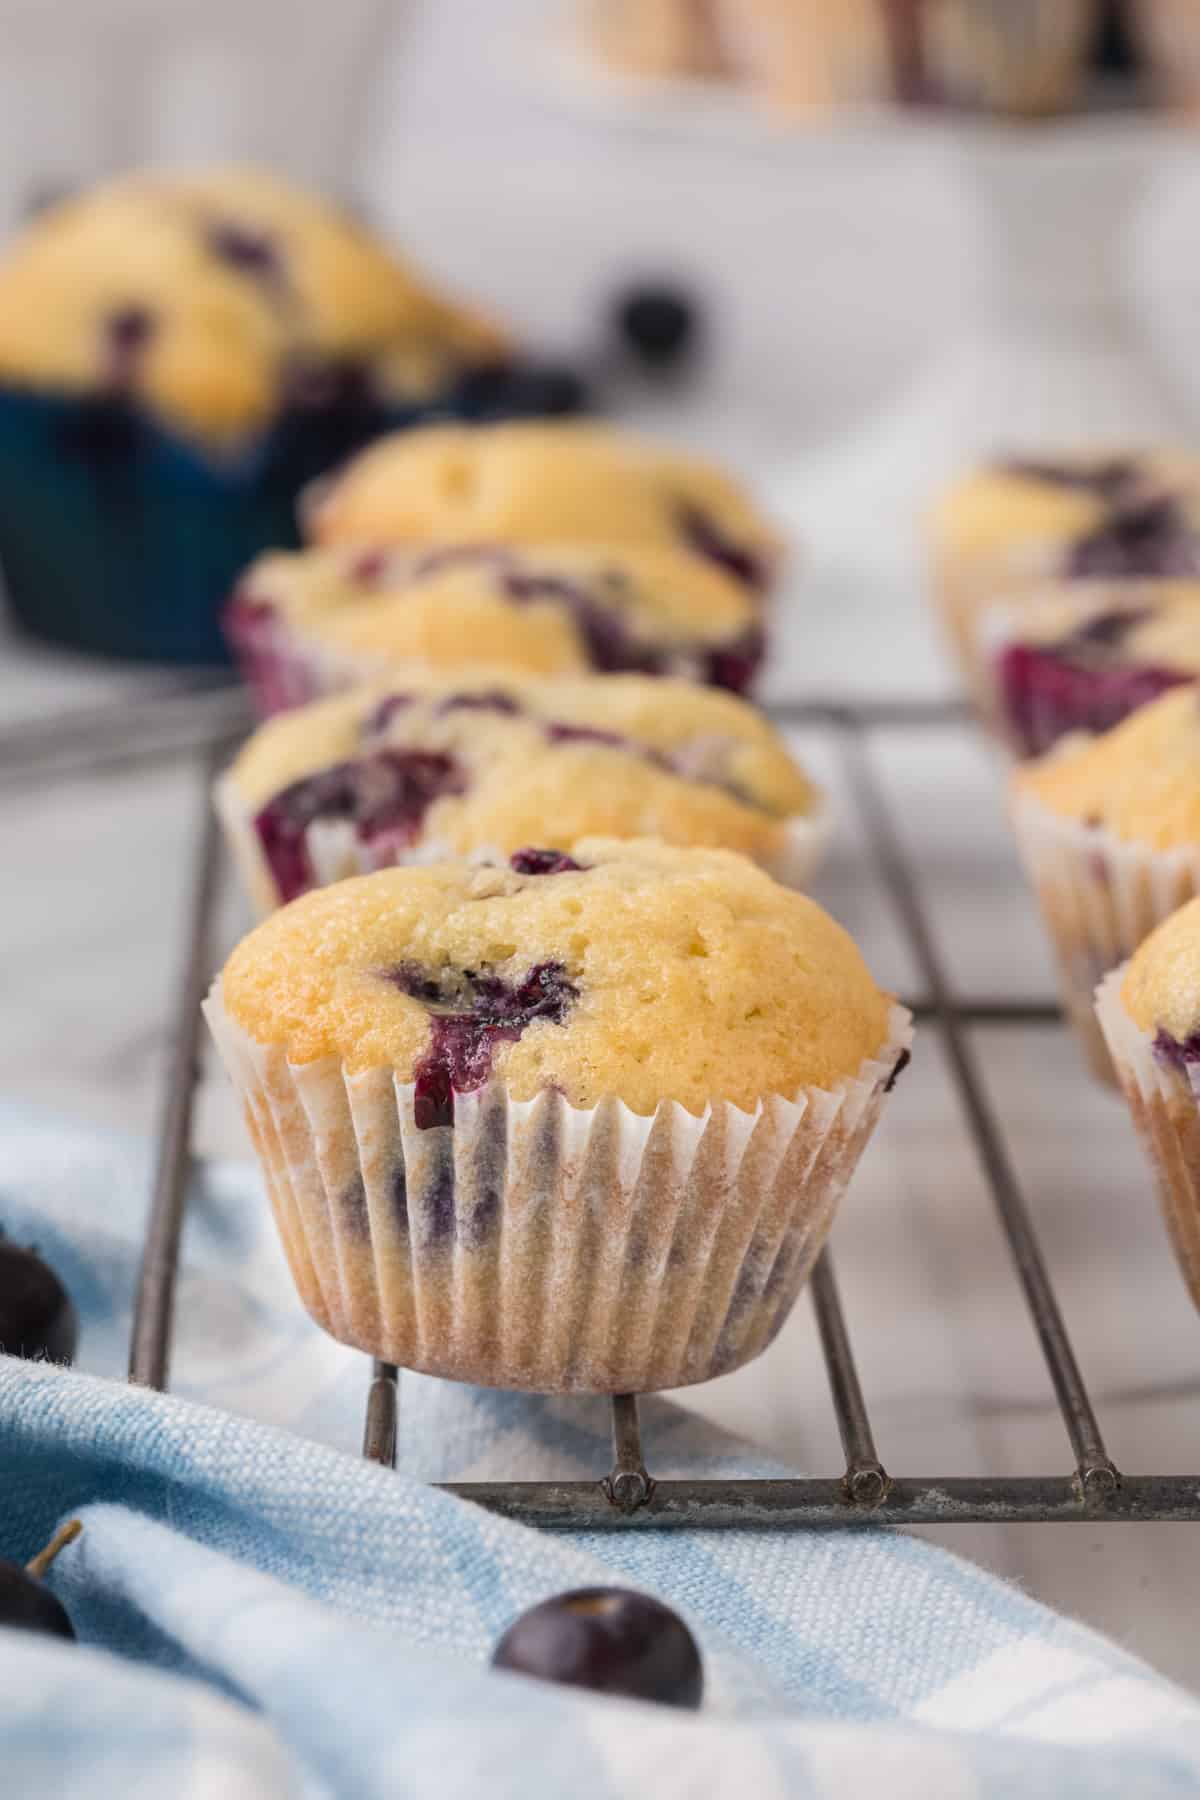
[262, 1614]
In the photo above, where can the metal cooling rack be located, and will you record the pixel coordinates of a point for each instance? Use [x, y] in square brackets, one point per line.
[627, 1496]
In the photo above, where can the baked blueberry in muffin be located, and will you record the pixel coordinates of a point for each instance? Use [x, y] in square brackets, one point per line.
[569, 1122]
[1024, 524]
[179, 354]
[1084, 658]
[464, 764]
[543, 482]
[308, 624]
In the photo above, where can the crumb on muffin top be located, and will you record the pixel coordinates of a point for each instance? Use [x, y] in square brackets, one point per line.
[1140, 781]
[537, 482]
[475, 761]
[217, 298]
[639, 971]
[1161, 987]
[547, 609]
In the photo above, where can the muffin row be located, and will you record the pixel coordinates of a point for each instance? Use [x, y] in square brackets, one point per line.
[1070, 590]
[552, 1086]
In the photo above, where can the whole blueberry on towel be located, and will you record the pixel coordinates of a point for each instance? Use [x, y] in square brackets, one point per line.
[25, 1604]
[610, 1640]
[37, 1317]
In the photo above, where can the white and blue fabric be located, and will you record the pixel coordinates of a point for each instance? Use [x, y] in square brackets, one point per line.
[262, 1614]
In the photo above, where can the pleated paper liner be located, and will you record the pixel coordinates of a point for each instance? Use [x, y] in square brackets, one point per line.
[1100, 897]
[541, 1246]
[1163, 1101]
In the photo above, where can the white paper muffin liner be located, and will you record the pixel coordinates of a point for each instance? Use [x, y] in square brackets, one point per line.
[335, 850]
[542, 1246]
[1099, 897]
[1165, 1104]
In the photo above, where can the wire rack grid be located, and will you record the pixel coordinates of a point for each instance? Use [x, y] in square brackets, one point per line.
[626, 1496]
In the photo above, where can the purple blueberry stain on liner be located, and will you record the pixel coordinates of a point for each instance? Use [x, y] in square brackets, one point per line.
[352, 1205]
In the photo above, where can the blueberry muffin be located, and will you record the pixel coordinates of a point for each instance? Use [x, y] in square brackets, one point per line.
[309, 624]
[1083, 657]
[463, 764]
[1168, 34]
[1020, 523]
[179, 354]
[537, 482]
[804, 56]
[1149, 1012]
[1109, 831]
[578, 1123]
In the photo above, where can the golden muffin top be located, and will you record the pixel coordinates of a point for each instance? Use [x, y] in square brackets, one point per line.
[633, 969]
[544, 609]
[474, 762]
[1161, 988]
[538, 482]
[1140, 781]
[216, 297]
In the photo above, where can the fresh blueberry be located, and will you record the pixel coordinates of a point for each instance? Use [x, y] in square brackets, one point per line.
[25, 1604]
[37, 1317]
[657, 323]
[610, 1640]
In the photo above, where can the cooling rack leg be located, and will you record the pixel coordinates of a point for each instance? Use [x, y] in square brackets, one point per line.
[866, 1479]
[628, 1486]
[150, 1345]
[383, 1409]
[1096, 1474]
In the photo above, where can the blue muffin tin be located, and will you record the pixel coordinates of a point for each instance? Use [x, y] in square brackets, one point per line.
[118, 538]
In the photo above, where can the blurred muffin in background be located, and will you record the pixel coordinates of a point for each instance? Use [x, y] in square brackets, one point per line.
[462, 762]
[533, 482]
[1082, 657]
[1022, 57]
[1018, 523]
[179, 354]
[1168, 34]
[309, 624]
[1108, 829]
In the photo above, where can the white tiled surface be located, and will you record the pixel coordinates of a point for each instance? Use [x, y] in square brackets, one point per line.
[834, 280]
